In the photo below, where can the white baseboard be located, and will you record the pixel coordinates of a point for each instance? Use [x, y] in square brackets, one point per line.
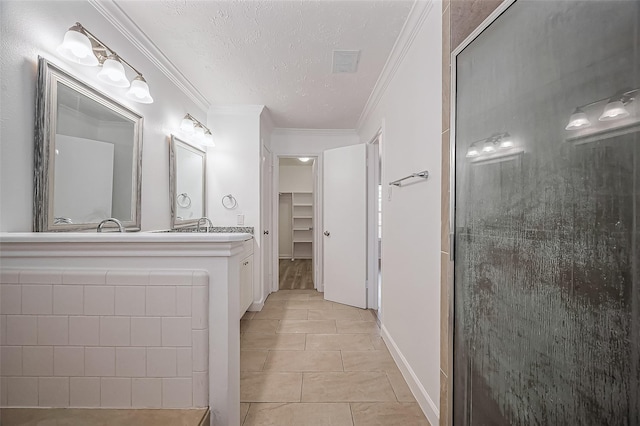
[257, 306]
[425, 402]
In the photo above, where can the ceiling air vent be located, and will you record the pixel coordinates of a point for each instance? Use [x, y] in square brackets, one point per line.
[345, 61]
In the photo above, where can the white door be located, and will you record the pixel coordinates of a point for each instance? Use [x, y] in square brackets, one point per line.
[345, 225]
[265, 213]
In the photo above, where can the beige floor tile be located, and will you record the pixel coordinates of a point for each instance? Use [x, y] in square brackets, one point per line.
[368, 315]
[309, 291]
[309, 304]
[325, 314]
[256, 341]
[248, 315]
[102, 417]
[282, 314]
[288, 295]
[337, 342]
[317, 296]
[307, 326]
[368, 361]
[340, 306]
[377, 342]
[301, 414]
[352, 386]
[388, 414]
[270, 387]
[400, 387]
[349, 326]
[303, 361]
[244, 409]
[266, 326]
[252, 360]
[275, 304]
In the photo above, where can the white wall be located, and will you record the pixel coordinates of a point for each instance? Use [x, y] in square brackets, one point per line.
[409, 110]
[296, 178]
[310, 141]
[32, 28]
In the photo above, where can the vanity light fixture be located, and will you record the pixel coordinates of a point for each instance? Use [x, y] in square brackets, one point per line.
[192, 127]
[495, 142]
[82, 47]
[615, 109]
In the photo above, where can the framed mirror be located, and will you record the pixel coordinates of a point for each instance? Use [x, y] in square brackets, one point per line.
[88, 156]
[187, 181]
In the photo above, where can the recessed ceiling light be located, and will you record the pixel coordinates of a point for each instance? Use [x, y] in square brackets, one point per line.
[345, 61]
[304, 159]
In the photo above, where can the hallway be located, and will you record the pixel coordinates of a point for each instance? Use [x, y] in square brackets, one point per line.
[307, 361]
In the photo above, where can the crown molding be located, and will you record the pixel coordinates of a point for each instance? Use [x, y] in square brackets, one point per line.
[236, 109]
[415, 20]
[307, 132]
[121, 21]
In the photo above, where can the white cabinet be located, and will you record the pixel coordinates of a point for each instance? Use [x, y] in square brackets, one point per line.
[246, 277]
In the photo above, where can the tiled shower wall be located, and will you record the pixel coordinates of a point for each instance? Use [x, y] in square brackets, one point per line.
[459, 19]
[111, 338]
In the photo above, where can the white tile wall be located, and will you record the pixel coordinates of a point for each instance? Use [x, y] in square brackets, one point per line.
[98, 338]
[37, 299]
[177, 393]
[176, 331]
[146, 331]
[37, 361]
[53, 330]
[84, 391]
[146, 393]
[84, 331]
[162, 362]
[131, 362]
[115, 392]
[68, 299]
[68, 361]
[99, 361]
[161, 301]
[99, 300]
[130, 300]
[53, 391]
[115, 331]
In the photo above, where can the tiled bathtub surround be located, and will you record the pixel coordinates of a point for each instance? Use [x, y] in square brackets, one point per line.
[110, 338]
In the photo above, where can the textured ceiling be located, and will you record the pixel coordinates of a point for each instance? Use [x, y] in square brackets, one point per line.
[276, 53]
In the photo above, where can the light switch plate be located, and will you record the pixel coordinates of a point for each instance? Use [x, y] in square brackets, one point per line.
[241, 219]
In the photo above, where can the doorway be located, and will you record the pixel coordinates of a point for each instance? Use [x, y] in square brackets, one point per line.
[296, 222]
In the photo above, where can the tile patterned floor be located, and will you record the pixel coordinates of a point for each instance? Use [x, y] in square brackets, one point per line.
[101, 417]
[306, 361]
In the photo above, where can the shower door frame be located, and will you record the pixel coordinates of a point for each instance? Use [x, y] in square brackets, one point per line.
[447, 389]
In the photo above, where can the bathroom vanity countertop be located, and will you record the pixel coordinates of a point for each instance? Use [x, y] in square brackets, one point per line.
[217, 229]
[140, 237]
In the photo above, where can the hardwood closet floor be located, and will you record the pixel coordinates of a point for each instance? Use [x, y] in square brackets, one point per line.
[296, 274]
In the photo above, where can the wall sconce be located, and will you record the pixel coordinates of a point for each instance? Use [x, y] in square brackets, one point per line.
[82, 47]
[200, 133]
[615, 109]
[488, 146]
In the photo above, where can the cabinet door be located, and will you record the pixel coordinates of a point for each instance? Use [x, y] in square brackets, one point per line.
[246, 284]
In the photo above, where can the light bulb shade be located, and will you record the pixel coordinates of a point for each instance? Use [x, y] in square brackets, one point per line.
[614, 110]
[473, 151]
[208, 140]
[76, 47]
[489, 147]
[506, 141]
[112, 72]
[578, 120]
[198, 133]
[304, 159]
[187, 125]
[139, 91]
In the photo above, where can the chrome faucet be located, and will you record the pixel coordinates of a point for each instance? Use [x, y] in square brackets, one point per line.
[111, 219]
[207, 221]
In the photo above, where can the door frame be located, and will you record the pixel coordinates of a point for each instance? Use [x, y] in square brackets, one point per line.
[317, 223]
[266, 218]
[374, 175]
[448, 280]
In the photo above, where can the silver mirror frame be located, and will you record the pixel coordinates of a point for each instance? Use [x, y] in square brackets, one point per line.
[45, 130]
[173, 173]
